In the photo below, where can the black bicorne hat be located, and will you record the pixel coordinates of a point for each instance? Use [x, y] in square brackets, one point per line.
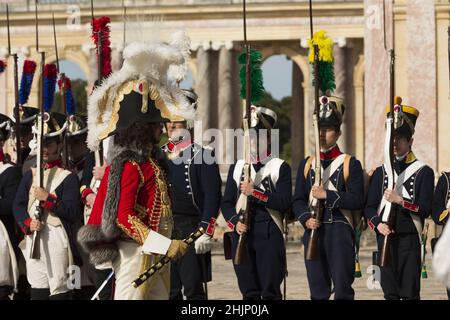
[135, 102]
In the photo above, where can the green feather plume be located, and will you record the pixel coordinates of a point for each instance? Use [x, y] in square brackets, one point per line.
[326, 77]
[257, 87]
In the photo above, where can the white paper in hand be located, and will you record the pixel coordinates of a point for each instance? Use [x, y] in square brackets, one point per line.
[156, 243]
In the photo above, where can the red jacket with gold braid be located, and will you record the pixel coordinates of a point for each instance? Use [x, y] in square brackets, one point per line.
[144, 199]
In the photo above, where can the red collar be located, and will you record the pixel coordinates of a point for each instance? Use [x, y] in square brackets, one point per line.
[178, 146]
[2, 156]
[331, 153]
[56, 163]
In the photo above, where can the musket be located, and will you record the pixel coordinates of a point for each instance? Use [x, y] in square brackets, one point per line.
[39, 179]
[16, 94]
[124, 23]
[98, 154]
[99, 161]
[312, 251]
[245, 211]
[92, 11]
[285, 274]
[62, 78]
[385, 255]
[204, 274]
[165, 260]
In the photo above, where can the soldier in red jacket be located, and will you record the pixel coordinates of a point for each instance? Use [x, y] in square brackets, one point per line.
[132, 206]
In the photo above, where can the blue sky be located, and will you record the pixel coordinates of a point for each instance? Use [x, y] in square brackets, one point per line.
[277, 74]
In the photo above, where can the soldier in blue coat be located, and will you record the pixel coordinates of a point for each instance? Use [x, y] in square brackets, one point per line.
[10, 176]
[269, 194]
[441, 203]
[342, 194]
[59, 199]
[411, 200]
[195, 184]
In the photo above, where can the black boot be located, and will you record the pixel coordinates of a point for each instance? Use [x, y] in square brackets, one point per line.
[39, 294]
[62, 296]
[5, 291]
[107, 292]
[85, 293]
[23, 288]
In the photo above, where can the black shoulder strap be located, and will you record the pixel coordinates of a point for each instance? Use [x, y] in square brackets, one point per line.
[447, 179]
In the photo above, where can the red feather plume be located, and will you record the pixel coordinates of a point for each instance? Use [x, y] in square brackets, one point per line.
[101, 24]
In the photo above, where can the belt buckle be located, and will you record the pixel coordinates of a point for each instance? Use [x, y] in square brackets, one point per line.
[331, 220]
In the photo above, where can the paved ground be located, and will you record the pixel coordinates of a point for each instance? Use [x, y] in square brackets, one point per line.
[224, 284]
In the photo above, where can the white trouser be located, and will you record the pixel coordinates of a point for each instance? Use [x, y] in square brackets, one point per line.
[129, 265]
[6, 276]
[50, 271]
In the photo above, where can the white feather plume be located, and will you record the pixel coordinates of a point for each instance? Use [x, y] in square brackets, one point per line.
[180, 40]
[159, 63]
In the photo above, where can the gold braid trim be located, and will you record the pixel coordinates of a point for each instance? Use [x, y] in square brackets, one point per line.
[140, 230]
[161, 205]
[141, 210]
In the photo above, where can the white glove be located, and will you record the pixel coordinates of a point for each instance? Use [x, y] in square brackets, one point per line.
[203, 244]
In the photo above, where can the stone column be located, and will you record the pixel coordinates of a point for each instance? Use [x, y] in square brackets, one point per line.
[225, 103]
[116, 59]
[92, 60]
[340, 73]
[237, 101]
[203, 87]
[358, 103]
[308, 98]
[297, 119]
[421, 76]
[376, 88]
[214, 88]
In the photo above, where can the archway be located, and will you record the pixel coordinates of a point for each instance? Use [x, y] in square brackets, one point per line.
[277, 75]
[295, 79]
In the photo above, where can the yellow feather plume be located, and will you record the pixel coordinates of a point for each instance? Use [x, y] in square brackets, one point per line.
[325, 47]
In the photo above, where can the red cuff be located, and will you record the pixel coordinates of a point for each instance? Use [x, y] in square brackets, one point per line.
[50, 203]
[260, 196]
[211, 227]
[230, 225]
[410, 206]
[371, 225]
[26, 223]
[85, 193]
